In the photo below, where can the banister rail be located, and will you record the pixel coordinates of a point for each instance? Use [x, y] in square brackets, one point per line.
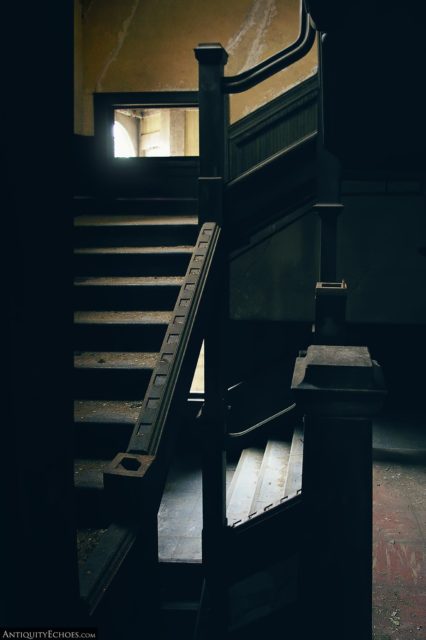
[148, 454]
[279, 61]
[152, 422]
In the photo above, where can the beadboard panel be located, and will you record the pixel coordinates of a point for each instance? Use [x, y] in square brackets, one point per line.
[274, 127]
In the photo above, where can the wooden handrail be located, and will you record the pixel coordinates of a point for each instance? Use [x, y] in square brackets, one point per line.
[138, 475]
[279, 61]
[152, 422]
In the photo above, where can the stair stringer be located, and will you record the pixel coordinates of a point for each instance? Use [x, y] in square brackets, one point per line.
[263, 555]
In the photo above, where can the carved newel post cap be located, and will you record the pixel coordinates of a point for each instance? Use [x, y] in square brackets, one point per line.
[338, 380]
[211, 53]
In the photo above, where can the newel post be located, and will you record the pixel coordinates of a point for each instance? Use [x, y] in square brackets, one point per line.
[339, 389]
[214, 122]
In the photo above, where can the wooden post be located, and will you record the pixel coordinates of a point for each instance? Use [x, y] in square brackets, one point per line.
[329, 206]
[339, 389]
[328, 212]
[214, 120]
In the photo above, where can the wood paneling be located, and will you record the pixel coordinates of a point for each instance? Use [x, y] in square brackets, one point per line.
[273, 127]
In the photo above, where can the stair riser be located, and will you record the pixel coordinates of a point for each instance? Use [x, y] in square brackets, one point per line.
[104, 384]
[126, 298]
[94, 337]
[101, 441]
[152, 235]
[146, 206]
[161, 264]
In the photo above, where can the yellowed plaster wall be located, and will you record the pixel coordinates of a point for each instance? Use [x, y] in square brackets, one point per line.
[147, 45]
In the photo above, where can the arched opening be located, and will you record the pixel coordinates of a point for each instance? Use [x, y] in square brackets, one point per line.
[123, 144]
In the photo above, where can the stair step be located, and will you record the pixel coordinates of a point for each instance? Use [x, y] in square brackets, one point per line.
[180, 513]
[157, 206]
[87, 540]
[115, 360]
[114, 412]
[118, 375]
[243, 485]
[126, 293]
[132, 261]
[295, 464]
[97, 230]
[88, 474]
[272, 475]
[134, 220]
[122, 317]
[150, 206]
[103, 427]
[91, 500]
[120, 330]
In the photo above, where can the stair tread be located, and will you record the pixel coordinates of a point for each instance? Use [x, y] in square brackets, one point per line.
[88, 474]
[123, 281]
[272, 475]
[122, 317]
[87, 540]
[243, 485]
[107, 411]
[157, 250]
[115, 360]
[133, 220]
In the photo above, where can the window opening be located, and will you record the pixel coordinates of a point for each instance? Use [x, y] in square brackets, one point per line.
[123, 143]
[156, 132]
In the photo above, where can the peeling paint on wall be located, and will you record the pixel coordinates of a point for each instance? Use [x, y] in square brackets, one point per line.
[121, 37]
[261, 16]
[253, 31]
[148, 46]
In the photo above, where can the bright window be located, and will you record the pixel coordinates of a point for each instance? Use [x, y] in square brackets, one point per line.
[123, 145]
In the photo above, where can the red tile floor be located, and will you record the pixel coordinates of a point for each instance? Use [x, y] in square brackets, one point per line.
[399, 528]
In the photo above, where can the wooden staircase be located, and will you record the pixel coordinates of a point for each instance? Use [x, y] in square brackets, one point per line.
[262, 473]
[128, 272]
[264, 476]
[129, 266]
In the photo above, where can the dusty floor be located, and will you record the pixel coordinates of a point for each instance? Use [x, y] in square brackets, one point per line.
[399, 529]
